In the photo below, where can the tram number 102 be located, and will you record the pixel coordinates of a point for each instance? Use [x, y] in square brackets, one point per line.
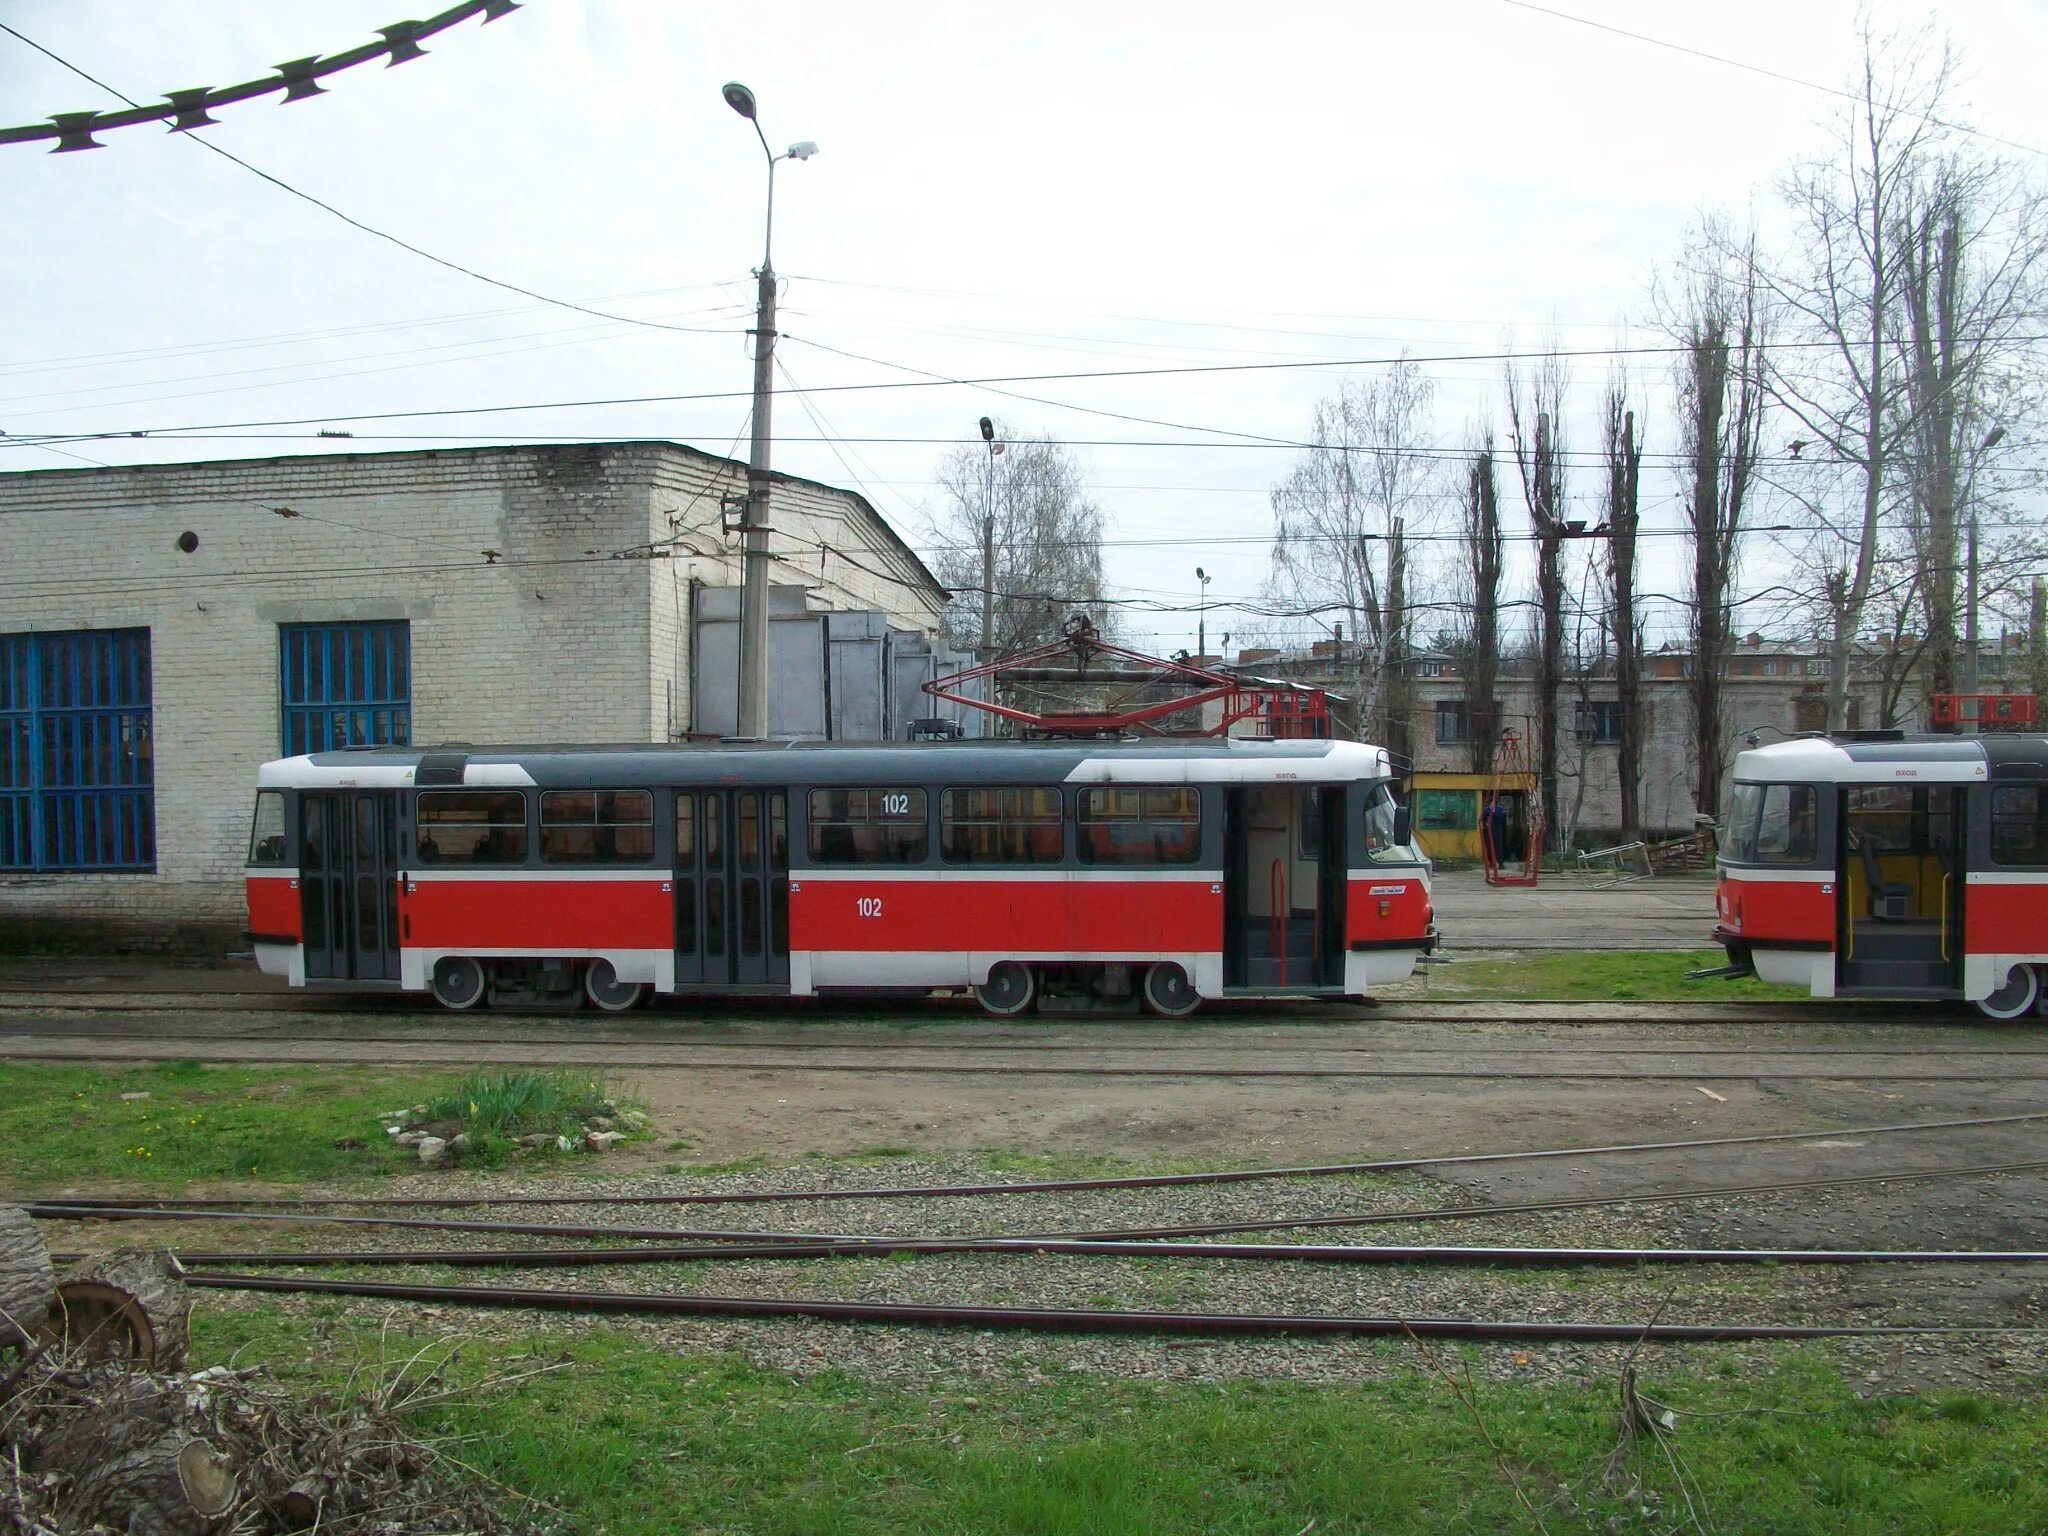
[868, 906]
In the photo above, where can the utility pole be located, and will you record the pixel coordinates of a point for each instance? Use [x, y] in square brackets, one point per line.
[1202, 618]
[988, 542]
[753, 701]
[754, 595]
[1991, 440]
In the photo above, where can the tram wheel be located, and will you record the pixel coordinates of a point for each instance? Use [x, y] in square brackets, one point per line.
[1168, 991]
[2022, 987]
[457, 982]
[602, 986]
[1010, 989]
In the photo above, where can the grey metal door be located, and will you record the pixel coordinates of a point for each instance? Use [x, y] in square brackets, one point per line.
[349, 842]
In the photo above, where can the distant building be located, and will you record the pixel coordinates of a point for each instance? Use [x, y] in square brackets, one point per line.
[1771, 689]
[166, 628]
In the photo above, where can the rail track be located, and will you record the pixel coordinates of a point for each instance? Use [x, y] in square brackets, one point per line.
[1606, 1064]
[1064, 1186]
[1081, 1320]
[585, 1246]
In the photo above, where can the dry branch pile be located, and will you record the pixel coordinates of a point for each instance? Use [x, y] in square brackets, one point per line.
[119, 1440]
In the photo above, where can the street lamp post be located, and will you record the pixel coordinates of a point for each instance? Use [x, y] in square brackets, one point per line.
[1202, 617]
[988, 542]
[753, 702]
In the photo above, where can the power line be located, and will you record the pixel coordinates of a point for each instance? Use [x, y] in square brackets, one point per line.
[399, 49]
[875, 385]
[1758, 69]
[175, 350]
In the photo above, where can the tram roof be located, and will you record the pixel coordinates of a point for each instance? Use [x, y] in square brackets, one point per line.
[1158, 761]
[1895, 757]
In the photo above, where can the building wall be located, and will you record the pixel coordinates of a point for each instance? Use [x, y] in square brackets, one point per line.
[554, 641]
[1589, 786]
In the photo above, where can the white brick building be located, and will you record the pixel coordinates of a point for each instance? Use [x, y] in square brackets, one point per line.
[542, 594]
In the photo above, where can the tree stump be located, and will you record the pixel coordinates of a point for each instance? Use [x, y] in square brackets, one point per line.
[132, 1453]
[130, 1307]
[27, 1283]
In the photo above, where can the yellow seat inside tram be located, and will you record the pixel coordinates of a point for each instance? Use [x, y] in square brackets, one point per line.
[1910, 834]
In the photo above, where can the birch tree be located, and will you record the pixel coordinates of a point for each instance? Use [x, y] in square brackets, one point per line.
[1047, 544]
[1839, 289]
[1972, 244]
[1717, 318]
[1478, 649]
[1342, 521]
[1623, 449]
[1535, 409]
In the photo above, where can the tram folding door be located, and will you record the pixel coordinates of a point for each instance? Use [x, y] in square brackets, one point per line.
[349, 870]
[732, 887]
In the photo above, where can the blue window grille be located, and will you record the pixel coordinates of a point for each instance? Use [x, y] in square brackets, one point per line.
[77, 772]
[345, 685]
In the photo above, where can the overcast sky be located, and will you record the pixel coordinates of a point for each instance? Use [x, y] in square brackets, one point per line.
[1058, 188]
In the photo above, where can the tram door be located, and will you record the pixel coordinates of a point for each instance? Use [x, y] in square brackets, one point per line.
[732, 887]
[349, 866]
[1283, 887]
[1901, 884]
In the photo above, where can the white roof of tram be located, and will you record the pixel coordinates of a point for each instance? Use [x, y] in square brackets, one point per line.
[1821, 760]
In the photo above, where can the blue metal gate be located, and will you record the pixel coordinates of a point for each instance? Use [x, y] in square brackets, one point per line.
[77, 784]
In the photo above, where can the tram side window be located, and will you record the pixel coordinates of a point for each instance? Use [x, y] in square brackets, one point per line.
[1739, 839]
[2019, 826]
[1000, 826]
[472, 826]
[1785, 829]
[600, 826]
[868, 826]
[1141, 826]
[1883, 813]
[266, 836]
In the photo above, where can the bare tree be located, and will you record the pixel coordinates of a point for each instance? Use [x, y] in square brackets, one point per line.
[1535, 409]
[1972, 245]
[1624, 455]
[1342, 518]
[1047, 538]
[1840, 290]
[1478, 649]
[1716, 318]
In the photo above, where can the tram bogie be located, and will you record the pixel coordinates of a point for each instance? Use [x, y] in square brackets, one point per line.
[1881, 865]
[1054, 876]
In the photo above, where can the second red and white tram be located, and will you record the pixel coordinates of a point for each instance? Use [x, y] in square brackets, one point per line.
[1040, 875]
[1874, 864]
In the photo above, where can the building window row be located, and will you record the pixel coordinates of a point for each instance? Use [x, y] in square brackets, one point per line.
[1123, 824]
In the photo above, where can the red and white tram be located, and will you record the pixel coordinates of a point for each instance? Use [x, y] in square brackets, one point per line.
[1874, 864]
[1055, 874]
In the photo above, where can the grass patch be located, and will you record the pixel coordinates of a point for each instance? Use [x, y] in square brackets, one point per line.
[1600, 975]
[183, 1123]
[637, 1439]
[511, 1104]
[65, 1125]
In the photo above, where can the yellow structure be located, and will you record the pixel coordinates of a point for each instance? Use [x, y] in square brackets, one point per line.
[1446, 807]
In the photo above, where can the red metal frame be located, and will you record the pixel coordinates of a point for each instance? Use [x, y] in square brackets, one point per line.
[1986, 711]
[1511, 771]
[1290, 712]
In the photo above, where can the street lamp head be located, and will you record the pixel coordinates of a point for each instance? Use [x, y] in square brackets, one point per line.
[740, 99]
[1992, 438]
[803, 149]
[1201, 575]
[988, 430]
